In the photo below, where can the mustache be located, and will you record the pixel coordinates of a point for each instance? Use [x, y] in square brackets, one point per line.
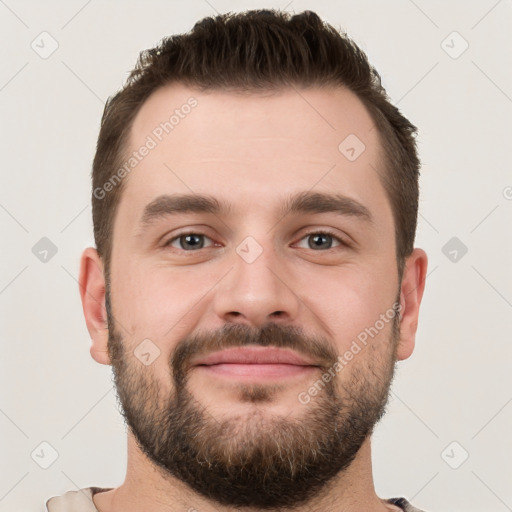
[241, 335]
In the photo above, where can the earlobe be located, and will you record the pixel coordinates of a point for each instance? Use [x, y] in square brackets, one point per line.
[412, 287]
[92, 294]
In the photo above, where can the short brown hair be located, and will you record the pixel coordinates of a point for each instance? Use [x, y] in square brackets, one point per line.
[250, 51]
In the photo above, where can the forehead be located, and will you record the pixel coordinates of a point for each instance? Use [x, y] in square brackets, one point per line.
[275, 119]
[252, 148]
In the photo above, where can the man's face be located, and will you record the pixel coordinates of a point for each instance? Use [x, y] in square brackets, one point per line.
[309, 280]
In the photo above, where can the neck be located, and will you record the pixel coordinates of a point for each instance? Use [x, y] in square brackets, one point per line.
[147, 487]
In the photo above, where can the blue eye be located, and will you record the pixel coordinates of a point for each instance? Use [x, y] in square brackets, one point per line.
[188, 241]
[322, 240]
[316, 241]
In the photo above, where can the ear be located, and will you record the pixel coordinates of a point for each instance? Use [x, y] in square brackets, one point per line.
[92, 293]
[413, 284]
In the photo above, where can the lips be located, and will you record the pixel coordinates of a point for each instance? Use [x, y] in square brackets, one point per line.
[254, 355]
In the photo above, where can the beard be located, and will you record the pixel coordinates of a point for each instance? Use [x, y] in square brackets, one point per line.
[254, 459]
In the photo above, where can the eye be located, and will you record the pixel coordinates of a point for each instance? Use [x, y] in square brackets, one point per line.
[318, 241]
[188, 241]
[322, 240]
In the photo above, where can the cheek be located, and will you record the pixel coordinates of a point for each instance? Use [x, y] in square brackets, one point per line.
[350, 303]
[154, 301]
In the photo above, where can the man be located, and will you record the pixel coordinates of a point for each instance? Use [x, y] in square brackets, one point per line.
[255, 200]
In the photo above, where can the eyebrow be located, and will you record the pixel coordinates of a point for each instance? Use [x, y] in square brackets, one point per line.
[302, 202]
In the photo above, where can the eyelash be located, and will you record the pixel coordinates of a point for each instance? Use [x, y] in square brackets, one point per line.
[320, 232]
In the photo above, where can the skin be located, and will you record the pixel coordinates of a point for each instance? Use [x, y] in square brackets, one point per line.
[252, 151]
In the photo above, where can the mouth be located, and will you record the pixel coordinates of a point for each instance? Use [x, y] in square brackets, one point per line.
[255, 363]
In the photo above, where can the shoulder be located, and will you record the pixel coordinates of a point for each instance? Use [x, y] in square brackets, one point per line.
[74, 501]
[403, 504]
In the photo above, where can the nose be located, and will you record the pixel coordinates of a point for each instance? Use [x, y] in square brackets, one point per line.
[257, 291]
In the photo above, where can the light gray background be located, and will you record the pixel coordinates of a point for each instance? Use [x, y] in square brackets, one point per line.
[455, 387]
